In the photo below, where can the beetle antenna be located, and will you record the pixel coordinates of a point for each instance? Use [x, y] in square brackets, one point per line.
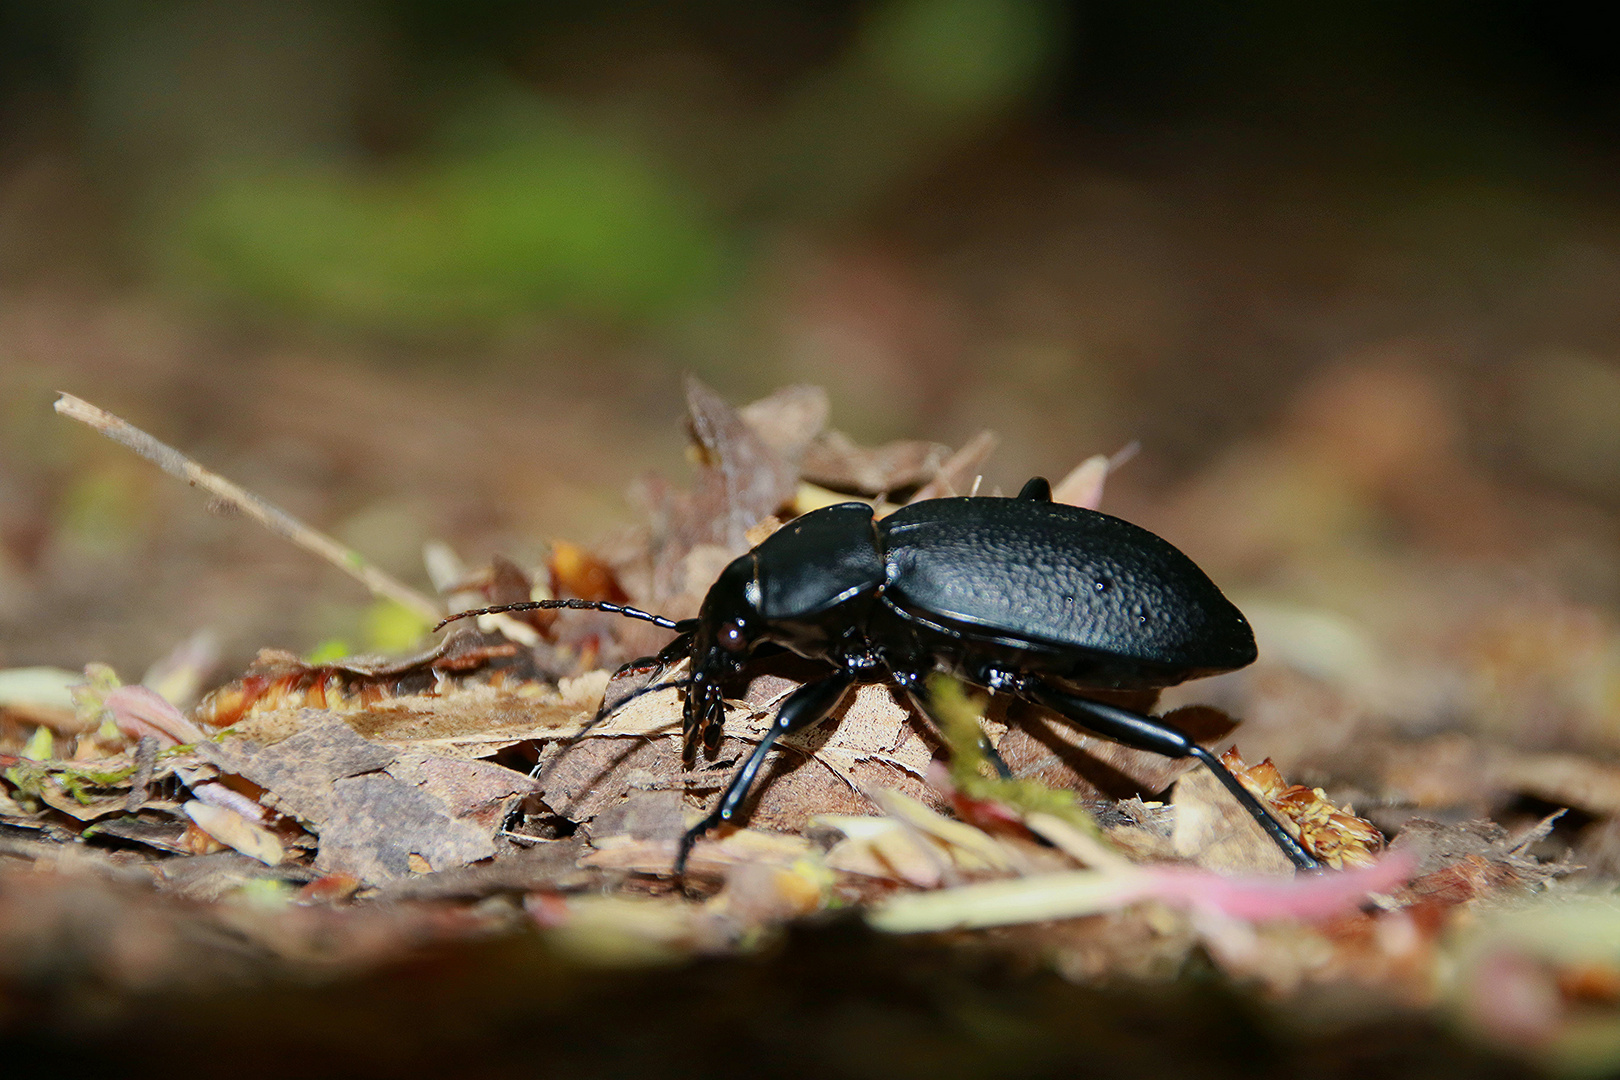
[576, 605]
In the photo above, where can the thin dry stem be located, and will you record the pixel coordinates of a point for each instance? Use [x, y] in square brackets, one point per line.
[959, 468]
[276, 520]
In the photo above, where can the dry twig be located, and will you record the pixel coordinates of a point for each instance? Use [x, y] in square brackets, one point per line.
[271, 517]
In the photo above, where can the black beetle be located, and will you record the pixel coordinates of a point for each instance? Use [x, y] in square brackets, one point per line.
[1022, 596]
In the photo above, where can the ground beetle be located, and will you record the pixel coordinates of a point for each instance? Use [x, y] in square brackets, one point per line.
[1022, 596]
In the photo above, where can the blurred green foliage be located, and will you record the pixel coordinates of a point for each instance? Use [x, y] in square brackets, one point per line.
[553, 218]
[104, 508]
[523, 198]
[920, 78]
[959, 715]
[291, 155]
[963, 56]
[391, 627]
[329, 651]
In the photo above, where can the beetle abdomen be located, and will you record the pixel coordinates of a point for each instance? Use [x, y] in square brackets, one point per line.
[1053, 574]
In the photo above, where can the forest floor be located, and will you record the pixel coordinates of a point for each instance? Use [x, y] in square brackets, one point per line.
[251, 818]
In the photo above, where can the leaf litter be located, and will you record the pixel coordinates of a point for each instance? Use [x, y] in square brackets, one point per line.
[368, 793]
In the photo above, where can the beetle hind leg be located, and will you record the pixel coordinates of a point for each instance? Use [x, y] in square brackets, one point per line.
[1155, 736]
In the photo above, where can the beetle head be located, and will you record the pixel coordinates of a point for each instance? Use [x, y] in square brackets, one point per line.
[728, 625]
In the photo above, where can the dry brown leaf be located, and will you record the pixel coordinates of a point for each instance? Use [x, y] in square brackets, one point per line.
[915, 845]
[301, 769]
[643, 815]
[1079, 845]
[1444, 772]
[582, 781]
[1041, 745]
[710, 856]
[1469, 878]
[1561, 779]
[1462, 773]
[430, 813]
[377, 824]
[1143, 831]
[870, 741]
[1459, 863]
[744, 478]
[550, 864]
[835, 461]
[1214, 831]
[871, 729]
[879, 847]
[472, 722]
[788, 420]
[88, 809]
[160, 834]
[473, 791]
[577, 572]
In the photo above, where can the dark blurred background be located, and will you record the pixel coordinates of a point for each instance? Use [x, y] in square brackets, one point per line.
[433, 270]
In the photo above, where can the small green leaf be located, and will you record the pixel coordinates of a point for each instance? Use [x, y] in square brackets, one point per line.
[27, 777]
[959, 717]
[100, 777]
[41, 745]
[90, 699]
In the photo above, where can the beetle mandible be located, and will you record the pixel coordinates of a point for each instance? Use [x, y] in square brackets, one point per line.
[1021, 595]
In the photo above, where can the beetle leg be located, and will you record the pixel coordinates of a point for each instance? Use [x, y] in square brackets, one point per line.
[986, 747]
[807, 705]
[678, 649]
[704, 710]
[659, 662]
[1155, 736]
[1037, 489]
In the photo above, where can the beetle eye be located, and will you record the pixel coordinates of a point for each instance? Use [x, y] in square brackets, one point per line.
[731, 637]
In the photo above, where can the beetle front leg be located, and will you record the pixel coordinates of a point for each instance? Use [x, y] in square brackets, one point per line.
[661, 661]
[1155, 736]
[807, 705]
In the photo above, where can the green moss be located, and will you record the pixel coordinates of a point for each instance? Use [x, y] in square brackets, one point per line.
[971, 771]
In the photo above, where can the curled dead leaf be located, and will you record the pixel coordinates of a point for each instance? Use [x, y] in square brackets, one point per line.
[234, 830]
[1335, 836]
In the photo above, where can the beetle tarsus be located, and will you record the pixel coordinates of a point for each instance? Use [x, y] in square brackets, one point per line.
[1156, 736]
[1268, 821]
